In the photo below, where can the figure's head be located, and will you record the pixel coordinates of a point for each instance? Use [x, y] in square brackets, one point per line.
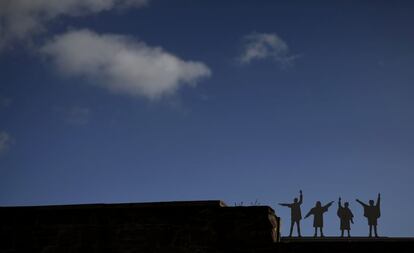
[295, 200]
[371, 202]
[318, 204]
[346, 204]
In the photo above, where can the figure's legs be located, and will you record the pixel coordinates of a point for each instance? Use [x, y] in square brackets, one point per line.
[298, 227]
[370, 230]
[375, 230]
[342, 233]
[291, 228]
[314, 235]
[349, 233]
[321, 231]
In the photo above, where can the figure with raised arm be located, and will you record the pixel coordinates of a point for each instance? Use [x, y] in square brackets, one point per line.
[372, 212]
[295, 213]
[317, 213]
[346, 217]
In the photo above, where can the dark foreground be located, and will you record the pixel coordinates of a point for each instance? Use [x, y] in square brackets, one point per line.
[195, 226]
[339, 245]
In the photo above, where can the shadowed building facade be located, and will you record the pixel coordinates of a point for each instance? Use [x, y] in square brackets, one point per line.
[194, 226]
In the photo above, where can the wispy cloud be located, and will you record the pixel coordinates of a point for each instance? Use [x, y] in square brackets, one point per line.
[5, 141]
[20, 19]
[5, 101]
[122, 64]
[260, 46]
[73, 115]
[78, 115]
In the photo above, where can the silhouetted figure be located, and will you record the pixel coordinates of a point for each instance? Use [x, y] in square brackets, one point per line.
[372, 212]
[295, 213]
[346, 216]
[318, 212]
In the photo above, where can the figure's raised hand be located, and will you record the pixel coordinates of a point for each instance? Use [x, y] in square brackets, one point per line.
[339, 199]
[300, 191]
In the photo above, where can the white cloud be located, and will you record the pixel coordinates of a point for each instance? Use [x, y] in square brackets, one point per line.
[19, 19]
[259, 46]
[5, 141]
[122, 64]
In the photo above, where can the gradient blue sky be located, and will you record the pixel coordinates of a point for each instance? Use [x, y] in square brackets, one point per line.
[331, 115]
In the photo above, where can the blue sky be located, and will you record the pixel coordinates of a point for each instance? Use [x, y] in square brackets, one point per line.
[133, 101]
